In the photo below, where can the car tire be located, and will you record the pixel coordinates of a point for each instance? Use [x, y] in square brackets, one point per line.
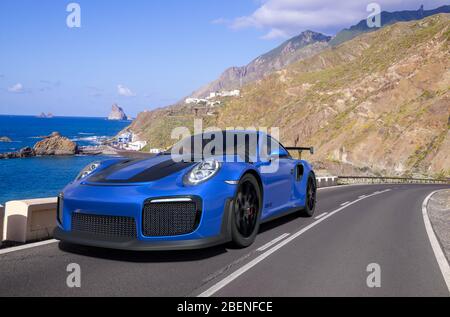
[311, 197]
[246, 212]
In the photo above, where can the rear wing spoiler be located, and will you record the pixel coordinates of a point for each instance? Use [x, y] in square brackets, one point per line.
[300, 150]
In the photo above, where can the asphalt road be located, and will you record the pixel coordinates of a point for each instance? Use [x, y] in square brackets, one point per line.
[327, 256]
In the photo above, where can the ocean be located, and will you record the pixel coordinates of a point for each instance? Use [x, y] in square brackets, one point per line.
[42, 177]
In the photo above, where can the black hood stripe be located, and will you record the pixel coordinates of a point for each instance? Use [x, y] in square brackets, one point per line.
[151, 174]
[112, 169]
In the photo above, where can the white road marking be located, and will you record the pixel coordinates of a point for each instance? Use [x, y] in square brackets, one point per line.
[346, 203]
[27, 246]
[388, 190]
[230, 278]
[274, 241]
[321, 216]
[362, 196]
[343, 186]
[438, 253]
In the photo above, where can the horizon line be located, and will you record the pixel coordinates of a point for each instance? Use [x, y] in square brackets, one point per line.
[55, 116]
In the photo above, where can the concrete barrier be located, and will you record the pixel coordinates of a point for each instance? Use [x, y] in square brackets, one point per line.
[327, 181]
[2, 217]
[29, 220]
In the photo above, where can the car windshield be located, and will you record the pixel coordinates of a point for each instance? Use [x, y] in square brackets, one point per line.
[221, 143]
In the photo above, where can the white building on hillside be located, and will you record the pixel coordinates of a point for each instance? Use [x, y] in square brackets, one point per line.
[232, 93]
[224, 93]
[125, 137]
[212, 95]
[195, 101]
[137, 146]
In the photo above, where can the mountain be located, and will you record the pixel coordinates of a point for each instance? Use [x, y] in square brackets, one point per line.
[305, 45]
[387, 18]
[377, 104]
[117, 113]
[302, 46]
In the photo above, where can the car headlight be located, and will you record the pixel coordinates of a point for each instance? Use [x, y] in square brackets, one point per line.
[88, 170]
[202, 172]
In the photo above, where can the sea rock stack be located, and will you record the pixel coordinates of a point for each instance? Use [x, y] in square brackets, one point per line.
[52, 145]
[23, 153]
[45, 116]
[55, 145]
[117, 113]
[26, 152]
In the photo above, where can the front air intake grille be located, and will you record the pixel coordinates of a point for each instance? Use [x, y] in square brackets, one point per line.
[164, 219]
[107, 226]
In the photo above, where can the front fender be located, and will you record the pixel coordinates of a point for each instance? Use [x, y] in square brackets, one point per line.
[233, 172]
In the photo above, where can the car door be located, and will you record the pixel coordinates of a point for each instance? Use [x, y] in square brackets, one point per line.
[278, 175]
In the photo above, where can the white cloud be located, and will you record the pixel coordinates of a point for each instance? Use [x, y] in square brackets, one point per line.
[220, 21]
[17, 88]
[274, 34]
[125, 91]
[285, 18]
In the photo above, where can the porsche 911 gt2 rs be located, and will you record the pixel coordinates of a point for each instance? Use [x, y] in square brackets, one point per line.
[188, 200]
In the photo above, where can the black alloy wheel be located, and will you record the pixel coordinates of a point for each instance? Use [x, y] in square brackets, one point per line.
[311, 197]
[246, 212]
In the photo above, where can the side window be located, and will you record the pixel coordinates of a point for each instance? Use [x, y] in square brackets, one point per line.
[271, 145]
[283, 152]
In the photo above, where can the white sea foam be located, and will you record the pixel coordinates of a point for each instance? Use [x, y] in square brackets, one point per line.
[91, 139]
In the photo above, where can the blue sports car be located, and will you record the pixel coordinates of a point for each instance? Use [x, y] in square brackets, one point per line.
[209, 189]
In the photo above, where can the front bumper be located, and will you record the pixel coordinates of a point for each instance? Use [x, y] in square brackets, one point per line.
[137, 245]
[214, 227]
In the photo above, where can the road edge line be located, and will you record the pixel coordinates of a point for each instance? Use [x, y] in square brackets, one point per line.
[321, 216]
[435, 245]
[27, 246]
[272, 242]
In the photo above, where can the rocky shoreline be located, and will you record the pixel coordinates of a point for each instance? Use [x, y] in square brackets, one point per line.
[97, 150]
[57, 145]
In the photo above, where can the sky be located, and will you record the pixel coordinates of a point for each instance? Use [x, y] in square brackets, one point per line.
[145, 54]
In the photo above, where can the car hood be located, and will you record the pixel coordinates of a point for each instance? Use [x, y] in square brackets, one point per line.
[139, 171]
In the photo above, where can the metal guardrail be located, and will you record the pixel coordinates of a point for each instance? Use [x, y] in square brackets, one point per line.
[345, 180]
